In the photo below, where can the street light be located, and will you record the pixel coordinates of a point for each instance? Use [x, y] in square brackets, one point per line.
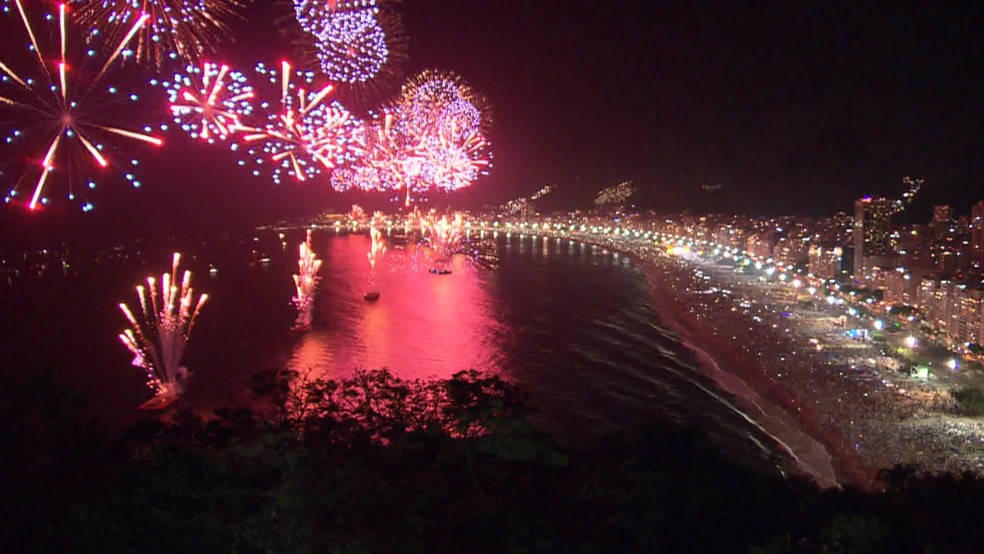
[911, 341]
[879, 325]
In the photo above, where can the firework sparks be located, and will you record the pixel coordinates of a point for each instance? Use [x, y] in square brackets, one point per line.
[353, 42]
[160, 329]
[454, 160]
[448, 121]
[306, 282]
[176, 29]
[352, 47]
[307, 134]
[432, 138]
[210, 101]
[378, 248]
[66, 112]
[443, 237]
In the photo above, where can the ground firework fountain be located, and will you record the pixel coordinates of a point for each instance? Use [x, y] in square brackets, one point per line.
[159, 332]
[376, 251]
[306, 282]
[443, 238]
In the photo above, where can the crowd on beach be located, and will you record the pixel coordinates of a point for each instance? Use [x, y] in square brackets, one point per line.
[853, 390]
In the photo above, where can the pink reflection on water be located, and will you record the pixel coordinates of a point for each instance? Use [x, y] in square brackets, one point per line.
[423, 325]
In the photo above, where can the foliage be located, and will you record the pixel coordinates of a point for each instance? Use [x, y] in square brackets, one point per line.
[375, 463]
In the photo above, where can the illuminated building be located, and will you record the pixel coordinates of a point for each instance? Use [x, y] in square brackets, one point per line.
[826, 262]
[872, 232]
[977, 235]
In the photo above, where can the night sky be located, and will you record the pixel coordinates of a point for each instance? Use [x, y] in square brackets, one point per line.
[789, 107]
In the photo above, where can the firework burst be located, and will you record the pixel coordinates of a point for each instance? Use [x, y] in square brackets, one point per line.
[455, 159]
[439, 99]
[306, 282]
[182, 30]
[390, 157]
[160, 329]
[210, 101]
[359, 45]
[66, 116]
[306, 134]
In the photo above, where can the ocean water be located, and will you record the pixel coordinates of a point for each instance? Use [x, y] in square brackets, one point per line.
[573, 324]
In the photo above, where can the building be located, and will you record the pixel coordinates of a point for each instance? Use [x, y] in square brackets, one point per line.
[977, 235]
[872, 232]
[825, 262]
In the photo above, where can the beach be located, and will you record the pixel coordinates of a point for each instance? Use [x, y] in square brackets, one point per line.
[841, 408]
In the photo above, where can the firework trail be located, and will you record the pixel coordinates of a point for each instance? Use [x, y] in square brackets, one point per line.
[210, 101]
[182, 30]
[160, 328]
[306, 134]
[66, 116]
[306, 282]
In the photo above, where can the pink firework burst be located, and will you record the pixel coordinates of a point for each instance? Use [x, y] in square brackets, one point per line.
[305, 133]
[210, 101]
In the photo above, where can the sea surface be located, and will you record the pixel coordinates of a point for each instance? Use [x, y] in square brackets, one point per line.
[573, 324]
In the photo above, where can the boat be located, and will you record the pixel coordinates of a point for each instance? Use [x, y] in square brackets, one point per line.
[371, 296]
[437, 271]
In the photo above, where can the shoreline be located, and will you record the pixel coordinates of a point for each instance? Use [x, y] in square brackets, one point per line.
[841, 465]
[791, 424]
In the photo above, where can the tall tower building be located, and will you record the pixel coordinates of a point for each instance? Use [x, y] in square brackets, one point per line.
[977, 234]
[872, 231]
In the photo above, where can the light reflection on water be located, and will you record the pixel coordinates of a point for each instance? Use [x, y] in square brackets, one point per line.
[423, 325]
[572, 324]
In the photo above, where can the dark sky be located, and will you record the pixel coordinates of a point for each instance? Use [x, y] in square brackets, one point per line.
[790, 107]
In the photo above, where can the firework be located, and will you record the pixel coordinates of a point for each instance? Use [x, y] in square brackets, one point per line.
[437, 100]
[432, 138]
[210, 101]
[353, 43]
[357, 215]
[182, 30]
[390, 158]
[378, 247]
[306, 282]
[352, 47]
[311, 14]
[66, 116]
[453, 159]
[307, 134]
[448, 120]
[443, 237]
[160, 328]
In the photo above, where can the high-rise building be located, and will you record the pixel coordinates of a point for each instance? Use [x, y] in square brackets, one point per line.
[942, 214]
[977, 234]
[872, 231]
